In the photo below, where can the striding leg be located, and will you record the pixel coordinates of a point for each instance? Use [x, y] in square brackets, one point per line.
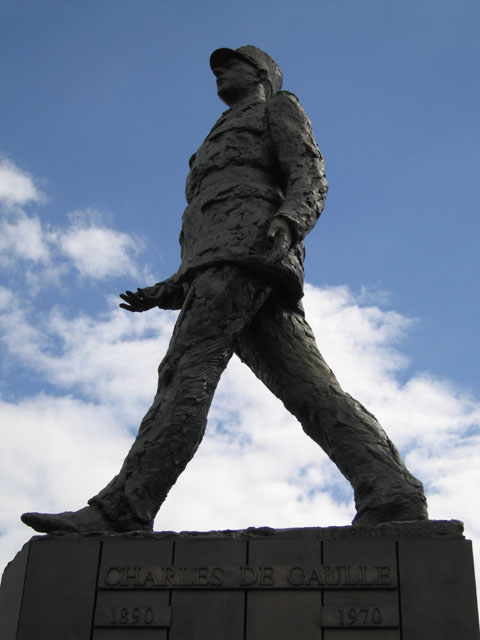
[219, 305]
[280, 348]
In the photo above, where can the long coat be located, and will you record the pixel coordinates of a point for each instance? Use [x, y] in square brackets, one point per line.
[260, 160]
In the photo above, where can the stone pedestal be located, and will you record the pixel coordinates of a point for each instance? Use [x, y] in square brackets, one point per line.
[405, 581]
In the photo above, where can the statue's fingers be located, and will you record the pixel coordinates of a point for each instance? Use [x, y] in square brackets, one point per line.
[272, 233]
[127, 307]
[280, 245]
[128, 297]
[134, 303]
[135, 306]
[133, 298]
[275, 254]
[278, 242]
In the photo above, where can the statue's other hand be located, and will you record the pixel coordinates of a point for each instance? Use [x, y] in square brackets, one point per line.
[144, 299]
[280, 235]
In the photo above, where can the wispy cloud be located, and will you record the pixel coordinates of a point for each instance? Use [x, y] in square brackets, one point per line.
[25, 239]
[17, 187]
[97, 251]
[92, 357]
[41, 254]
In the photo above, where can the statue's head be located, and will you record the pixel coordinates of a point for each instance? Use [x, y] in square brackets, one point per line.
[240, 70]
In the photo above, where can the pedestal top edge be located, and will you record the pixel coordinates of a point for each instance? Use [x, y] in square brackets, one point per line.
[428, 529]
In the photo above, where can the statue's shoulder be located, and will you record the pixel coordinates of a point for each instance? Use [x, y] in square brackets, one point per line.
[285, 105]
[289, 94]
[283, 97]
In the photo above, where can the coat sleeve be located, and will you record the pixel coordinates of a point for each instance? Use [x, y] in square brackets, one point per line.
[300, 163]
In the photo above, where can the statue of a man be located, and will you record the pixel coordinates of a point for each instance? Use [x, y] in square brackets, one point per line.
[256, 187]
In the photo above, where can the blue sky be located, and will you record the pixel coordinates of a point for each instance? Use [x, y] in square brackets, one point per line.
[102, 105]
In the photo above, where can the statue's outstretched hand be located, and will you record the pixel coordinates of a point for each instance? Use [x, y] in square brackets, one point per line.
[144, 299]
[168, 294]
[280, 235]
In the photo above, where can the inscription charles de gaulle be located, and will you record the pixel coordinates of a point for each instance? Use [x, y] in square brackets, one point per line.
[248, 577]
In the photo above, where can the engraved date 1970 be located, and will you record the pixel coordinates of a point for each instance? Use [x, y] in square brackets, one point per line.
[359, 617]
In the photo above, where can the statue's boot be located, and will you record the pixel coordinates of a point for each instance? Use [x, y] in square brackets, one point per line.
[384, 489]
[85, 520]
[399, 509]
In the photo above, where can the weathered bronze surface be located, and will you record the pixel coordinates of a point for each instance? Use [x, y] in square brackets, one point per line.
[256, 188]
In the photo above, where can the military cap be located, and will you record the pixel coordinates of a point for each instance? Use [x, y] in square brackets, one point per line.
[253, 55]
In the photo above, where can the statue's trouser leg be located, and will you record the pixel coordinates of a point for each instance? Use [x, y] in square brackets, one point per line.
[219, 305]
[280, 348]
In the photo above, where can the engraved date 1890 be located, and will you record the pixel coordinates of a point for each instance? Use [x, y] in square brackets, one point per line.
[130, 616]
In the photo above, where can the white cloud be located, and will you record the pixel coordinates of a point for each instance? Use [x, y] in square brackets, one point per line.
[97, 251]
[24, 239]
[97, 358]
[42, 255]
[6, 298]
[17, 187]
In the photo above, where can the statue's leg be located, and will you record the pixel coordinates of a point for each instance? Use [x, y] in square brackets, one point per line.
[219, 305]
[280, 348]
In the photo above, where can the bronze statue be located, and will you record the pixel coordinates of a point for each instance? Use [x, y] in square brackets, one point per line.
[256, 187]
